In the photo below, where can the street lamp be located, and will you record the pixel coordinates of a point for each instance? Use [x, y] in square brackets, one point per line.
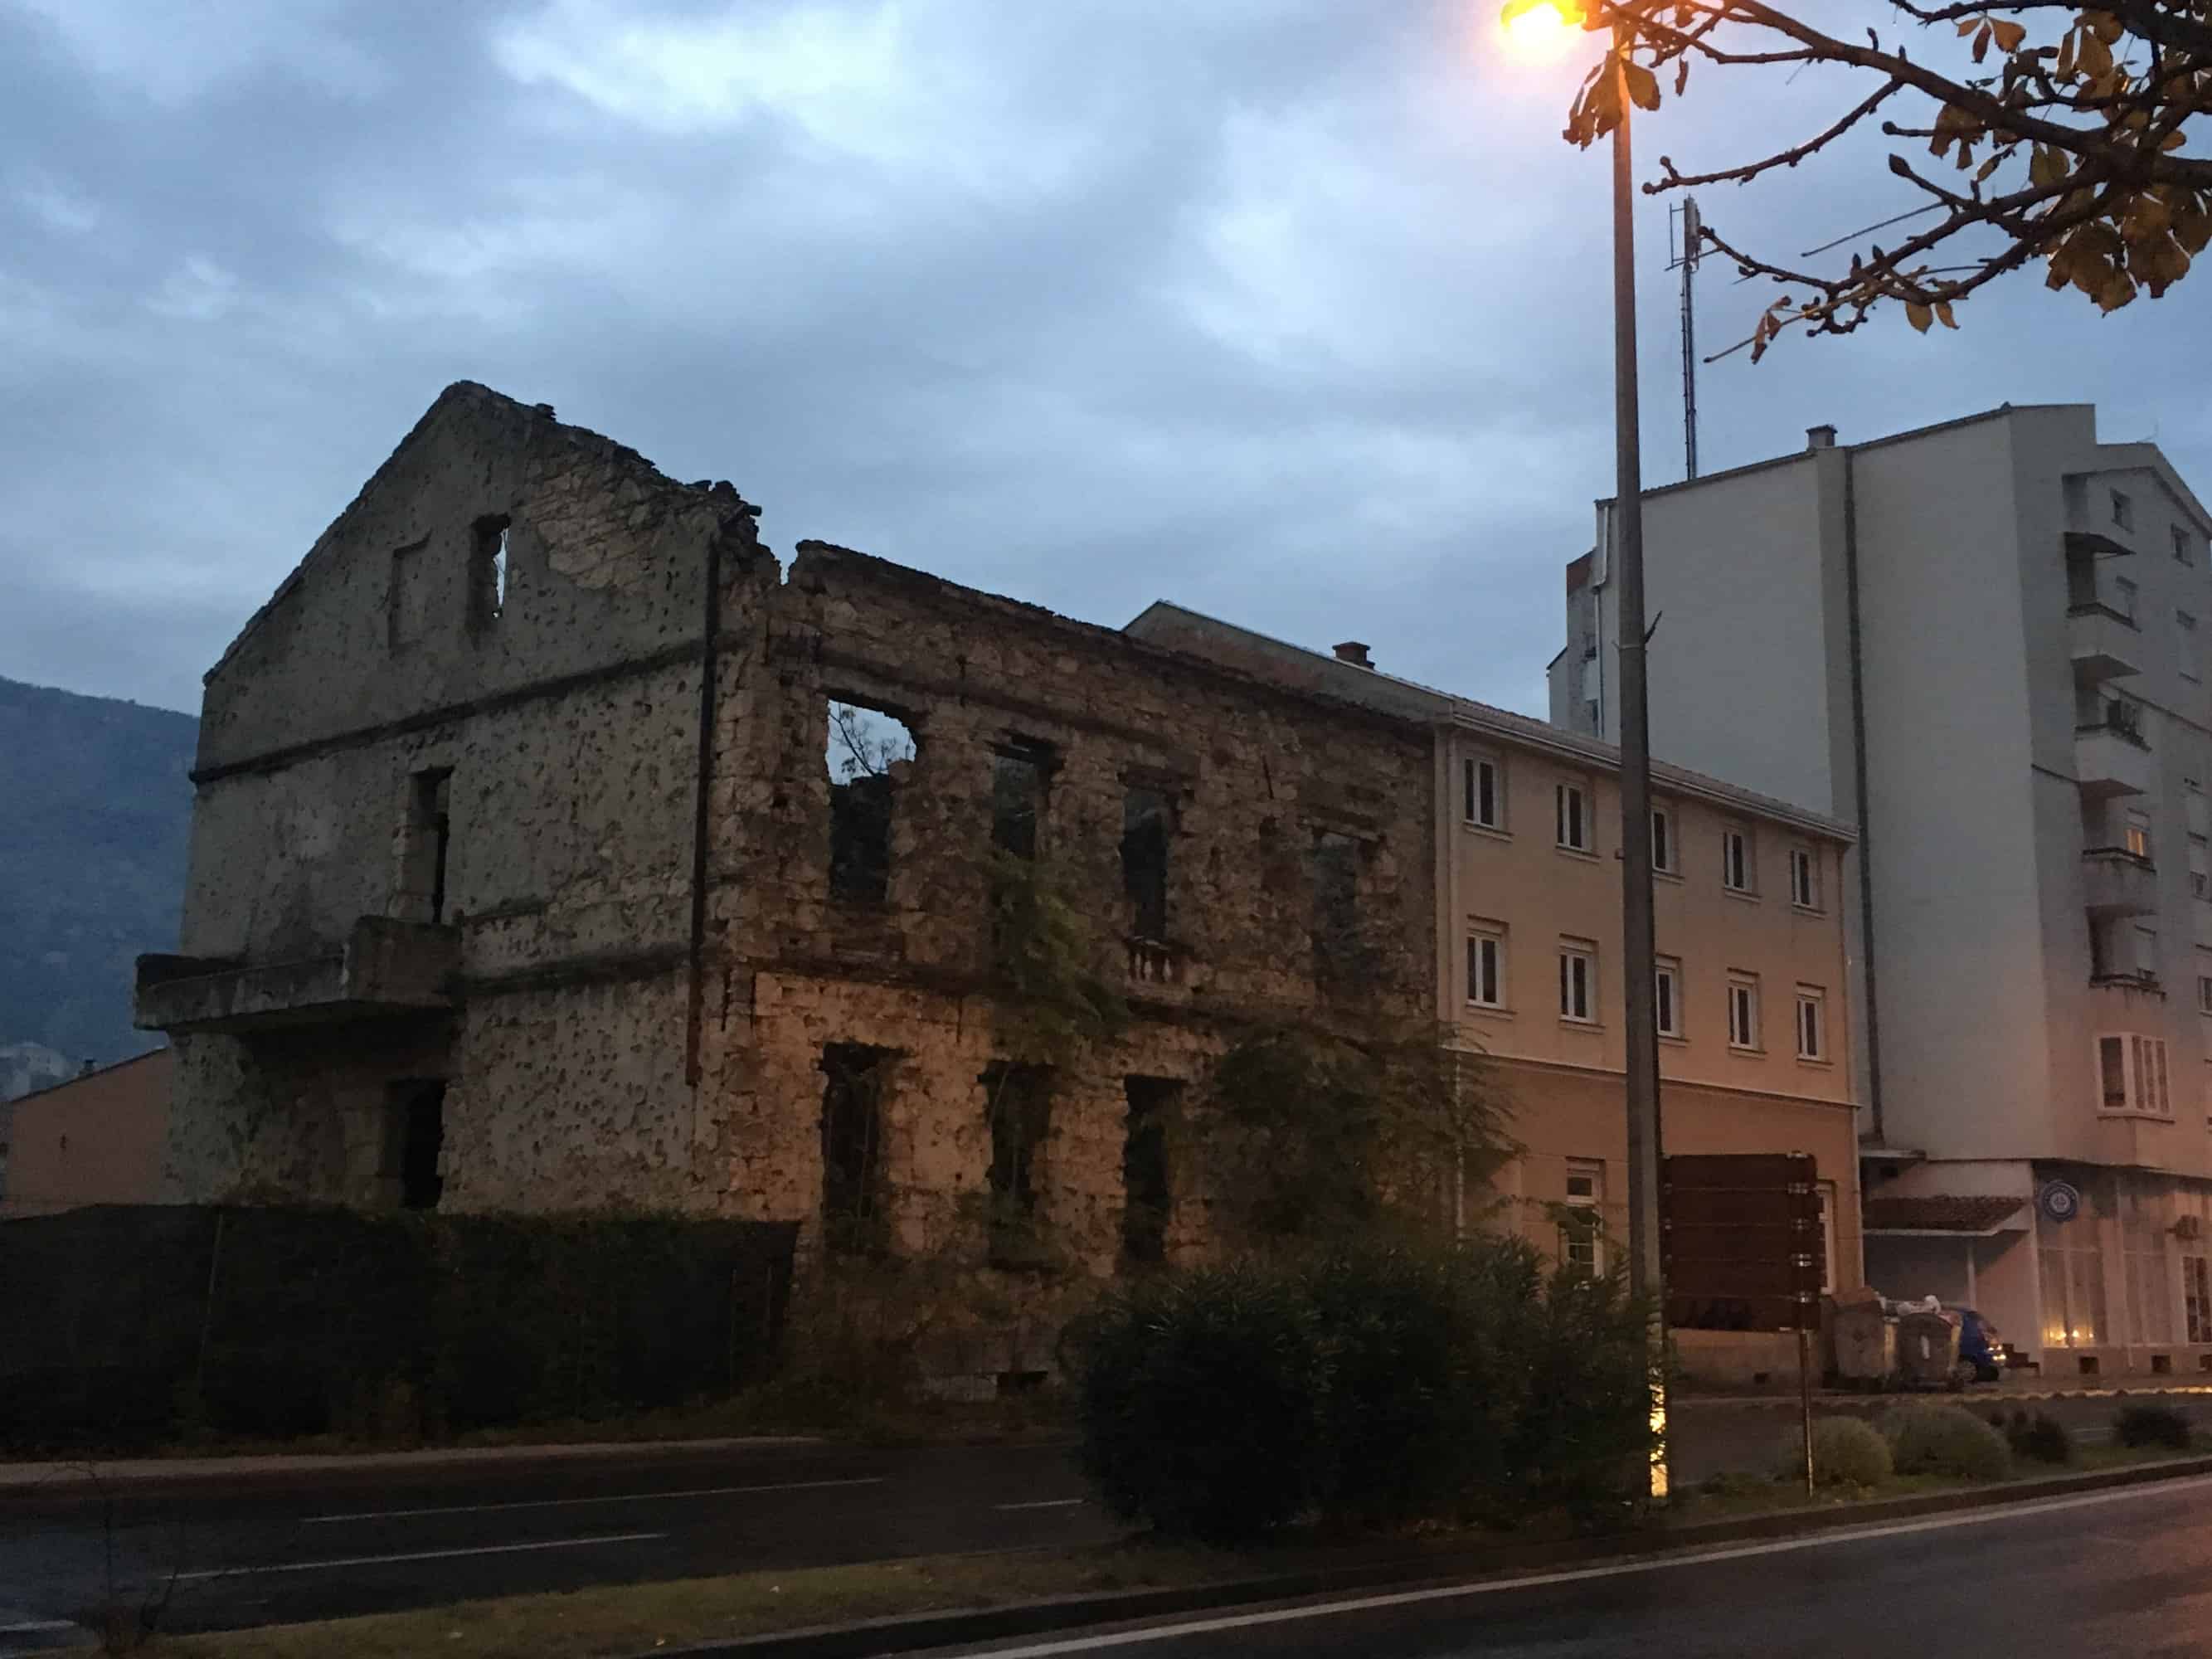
[1544, 27]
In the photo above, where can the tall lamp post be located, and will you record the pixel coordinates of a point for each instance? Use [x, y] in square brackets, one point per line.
[1528, 20]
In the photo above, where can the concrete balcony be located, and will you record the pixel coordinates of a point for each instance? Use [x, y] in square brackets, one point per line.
[2110, 759]
[384, 968]
[2104, 645]
[2119, 883]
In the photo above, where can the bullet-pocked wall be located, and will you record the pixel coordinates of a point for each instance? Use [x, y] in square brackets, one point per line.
[477, 709]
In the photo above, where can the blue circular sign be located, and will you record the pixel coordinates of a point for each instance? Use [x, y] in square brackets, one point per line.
[2061, 1201]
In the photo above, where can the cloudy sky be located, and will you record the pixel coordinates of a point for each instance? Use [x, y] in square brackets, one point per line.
[1291, 310]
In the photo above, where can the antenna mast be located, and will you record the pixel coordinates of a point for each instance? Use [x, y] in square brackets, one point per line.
[1686, 262]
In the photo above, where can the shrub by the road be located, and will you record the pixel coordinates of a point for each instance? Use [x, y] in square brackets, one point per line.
[2040, 1439]
[2151, 1426]
[1947, 1440]
[1367, 1387]
[1846, 1452]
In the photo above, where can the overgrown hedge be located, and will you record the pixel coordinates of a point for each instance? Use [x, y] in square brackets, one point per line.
[130, 1325]
[1362, 1388]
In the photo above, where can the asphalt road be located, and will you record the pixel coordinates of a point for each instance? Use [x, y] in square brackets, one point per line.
[331, 1543]
[2114, 1573]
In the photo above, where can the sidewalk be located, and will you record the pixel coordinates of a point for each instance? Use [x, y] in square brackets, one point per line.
[47, 1475]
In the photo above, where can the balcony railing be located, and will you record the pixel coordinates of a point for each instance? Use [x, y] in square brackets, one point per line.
[2118, 883]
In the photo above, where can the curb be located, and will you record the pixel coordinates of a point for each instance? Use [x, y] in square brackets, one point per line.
[875, 1637]
[71, 1477]
[1968, 1398]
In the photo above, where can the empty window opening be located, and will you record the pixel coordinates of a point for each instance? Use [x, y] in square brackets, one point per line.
[870, 752]
[1018, 1100]
[414, 1138]
[853, 1210]
[488, 571]
[1147, 1199]
[1147, 827]
[1019, 774]
[402, 603]
[1334, 869]
[427, 842]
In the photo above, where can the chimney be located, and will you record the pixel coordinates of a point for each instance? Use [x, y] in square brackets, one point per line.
[1353, 652]
[1820, 437]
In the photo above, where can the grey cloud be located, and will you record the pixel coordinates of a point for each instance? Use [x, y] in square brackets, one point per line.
[1274, 307]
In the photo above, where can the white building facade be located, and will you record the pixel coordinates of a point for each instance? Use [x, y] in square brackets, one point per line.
[1985, 644]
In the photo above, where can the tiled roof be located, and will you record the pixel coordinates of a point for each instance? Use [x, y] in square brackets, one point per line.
[1942, 1214]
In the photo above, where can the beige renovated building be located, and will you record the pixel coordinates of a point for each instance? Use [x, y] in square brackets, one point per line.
[94, 1139]
[1984, 643]
[1753, 1004]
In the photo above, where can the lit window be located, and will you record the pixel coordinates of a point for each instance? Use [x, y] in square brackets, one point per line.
[1582, 1241]
[1743, 1011]
[1662, 840]
[1804, 879]
[1572, 802]
[2138, 834]
[1486, 967]
[1577, 981]
[1485, 800]
[1736, 871]
[1667, 996]
[1811, 1022]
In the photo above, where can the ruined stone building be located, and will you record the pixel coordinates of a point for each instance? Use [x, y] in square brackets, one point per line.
[555, 846]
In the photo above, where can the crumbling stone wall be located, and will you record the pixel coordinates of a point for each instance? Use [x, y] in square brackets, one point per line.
[641, 1015]
[567, 726]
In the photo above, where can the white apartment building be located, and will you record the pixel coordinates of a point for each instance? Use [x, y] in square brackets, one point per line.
[1984, 644]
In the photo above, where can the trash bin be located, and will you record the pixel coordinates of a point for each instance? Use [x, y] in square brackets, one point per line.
[1866, 1343]
[1928, 1349]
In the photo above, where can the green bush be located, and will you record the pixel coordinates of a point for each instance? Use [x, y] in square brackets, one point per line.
[1199, 1396]
[1947, 1440]
[1361, 1387]
[2040, 1439]
[1846, 1452]
[2151, 1426]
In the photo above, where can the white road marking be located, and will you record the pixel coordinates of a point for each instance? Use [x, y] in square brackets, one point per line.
[1044, 1503]
[25, 1626]
[426, 1555]
[1575, 1574]
[610, 1498]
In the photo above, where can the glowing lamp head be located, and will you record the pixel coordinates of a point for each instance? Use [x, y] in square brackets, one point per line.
[1539, 30]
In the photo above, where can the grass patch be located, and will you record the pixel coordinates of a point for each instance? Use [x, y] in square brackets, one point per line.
[1734, 1495]
[633, 1619]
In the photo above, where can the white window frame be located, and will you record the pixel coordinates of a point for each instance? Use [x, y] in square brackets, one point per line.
[1474, 768]
[1666, 997]
[2145, 1079]
[1739, 861]
[1666, 845]
[1578, 982]
[1804, 879]
[1563, 793]
[1743, 1032]
[1591, 1170]
[1827, 1191]
[1485, 937]
[1812, 1023]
